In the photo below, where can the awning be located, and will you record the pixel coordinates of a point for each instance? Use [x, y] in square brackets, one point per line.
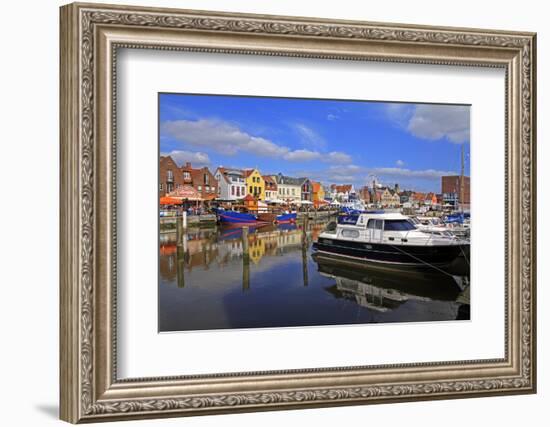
[170, 201]
[185, 192]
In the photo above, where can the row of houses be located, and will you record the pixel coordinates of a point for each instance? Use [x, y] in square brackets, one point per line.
[384, 196]
[229, 184]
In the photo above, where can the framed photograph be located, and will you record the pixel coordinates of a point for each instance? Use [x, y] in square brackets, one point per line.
[266, 212]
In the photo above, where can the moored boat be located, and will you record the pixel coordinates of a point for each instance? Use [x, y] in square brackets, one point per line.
[388, 238]
[233, 217]
[286, 218]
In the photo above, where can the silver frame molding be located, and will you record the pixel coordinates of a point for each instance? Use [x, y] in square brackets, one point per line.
[90, 37]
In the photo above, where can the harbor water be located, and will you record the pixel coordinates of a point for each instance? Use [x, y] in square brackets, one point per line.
[268, 276]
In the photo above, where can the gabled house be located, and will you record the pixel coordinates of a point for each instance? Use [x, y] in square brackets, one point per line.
[306, 189]
[169, 175]
[289, 189]
[255, 184]
[270, 188]
[231, 183]
[202, 180]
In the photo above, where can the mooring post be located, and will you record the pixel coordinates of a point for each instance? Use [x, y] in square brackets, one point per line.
[245, 241]
[179, 232]
[184, 220]
[180, 266]
[246, 260]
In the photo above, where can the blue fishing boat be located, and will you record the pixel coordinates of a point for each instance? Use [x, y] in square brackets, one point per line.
[233, 217]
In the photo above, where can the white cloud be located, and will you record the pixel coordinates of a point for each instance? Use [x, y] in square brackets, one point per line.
[182, 156]
[226, 138]
[360, 175]
[441, 121]
[332, 117]
[400, 163]
[309, 137]
[302, 155]
[432, 121]
[402, 172]
[337, 157]
[221, 136]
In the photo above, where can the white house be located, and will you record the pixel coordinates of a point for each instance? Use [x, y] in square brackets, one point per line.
[232, 184]
[288, 189]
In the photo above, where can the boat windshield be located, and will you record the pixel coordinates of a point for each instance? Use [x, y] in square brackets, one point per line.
[398, 225]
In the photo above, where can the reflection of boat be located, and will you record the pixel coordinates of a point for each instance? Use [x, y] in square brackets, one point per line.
[393, 284]
[388, 238]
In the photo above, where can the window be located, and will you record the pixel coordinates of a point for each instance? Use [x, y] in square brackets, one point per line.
[169, 175]
[186, 175]
[350, 233]
[398, 225]
[375, 224]
[232, 190]
[200, 188]
[250, 190]
[293, 191]
[206, 180]
[161, 187]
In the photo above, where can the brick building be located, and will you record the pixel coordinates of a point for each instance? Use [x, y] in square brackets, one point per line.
[169, 175]
[172, 177]
[450, 189]
[201, 180]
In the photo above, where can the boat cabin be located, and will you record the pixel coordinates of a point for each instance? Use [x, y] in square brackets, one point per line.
[390, 228]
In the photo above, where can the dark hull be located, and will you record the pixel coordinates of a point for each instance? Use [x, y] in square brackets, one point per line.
[391, 254]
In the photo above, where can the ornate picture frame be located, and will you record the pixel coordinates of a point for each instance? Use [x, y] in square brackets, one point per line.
[90, 37]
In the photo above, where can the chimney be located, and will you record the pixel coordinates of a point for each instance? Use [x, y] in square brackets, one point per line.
[187, 165]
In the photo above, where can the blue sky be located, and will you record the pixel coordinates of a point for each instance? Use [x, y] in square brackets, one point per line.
[331, 141]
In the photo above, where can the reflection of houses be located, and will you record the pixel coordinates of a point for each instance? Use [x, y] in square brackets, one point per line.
[270, 188]
[256, 249]
[288, 241]
[289, 189]
[255, 184]
[232, 183]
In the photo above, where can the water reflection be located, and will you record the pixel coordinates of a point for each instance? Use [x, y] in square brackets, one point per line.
[267, 276]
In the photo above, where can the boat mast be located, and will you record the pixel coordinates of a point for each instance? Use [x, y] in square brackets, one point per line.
[461, 183]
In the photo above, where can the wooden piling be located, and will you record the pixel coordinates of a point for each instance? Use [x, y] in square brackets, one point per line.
[180, 266]
[246, 260]
[245, 240]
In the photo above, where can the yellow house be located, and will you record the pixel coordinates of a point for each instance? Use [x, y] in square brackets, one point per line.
[255, 184]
